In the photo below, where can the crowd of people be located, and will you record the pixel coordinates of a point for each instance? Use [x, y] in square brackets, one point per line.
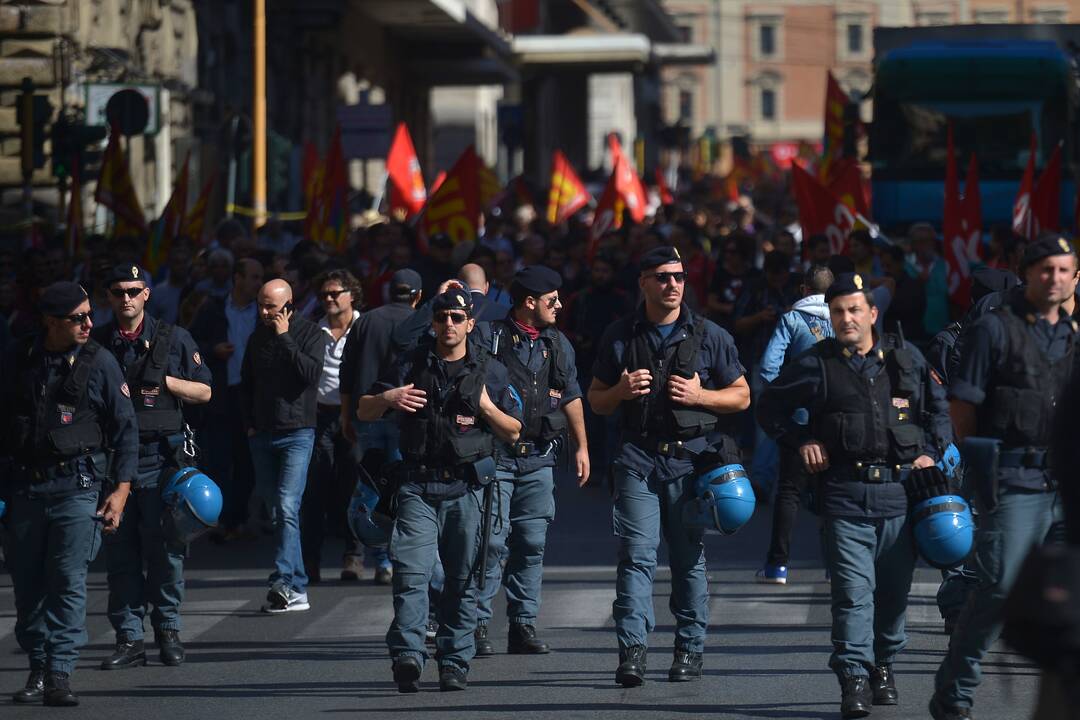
[709, 330]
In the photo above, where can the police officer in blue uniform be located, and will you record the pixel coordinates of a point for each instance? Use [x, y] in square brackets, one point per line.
[451, 402]
[66, 406]
[164, 372]
[875, 414]
[542, 370]
[671, 373]
[1015, 363]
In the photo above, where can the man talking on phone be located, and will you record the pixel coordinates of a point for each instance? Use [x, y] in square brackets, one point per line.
[279, 382]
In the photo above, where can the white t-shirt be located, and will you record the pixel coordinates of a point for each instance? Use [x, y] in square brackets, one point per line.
[329, 391]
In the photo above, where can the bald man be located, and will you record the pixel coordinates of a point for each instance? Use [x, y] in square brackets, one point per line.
[279, 383]
[475, 279]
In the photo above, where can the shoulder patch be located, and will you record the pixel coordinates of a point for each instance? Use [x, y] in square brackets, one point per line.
[935, 377]
[124, 389]
[197, 358]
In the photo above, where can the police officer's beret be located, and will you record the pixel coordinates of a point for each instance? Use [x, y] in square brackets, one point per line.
[537, 280]
[406, 277]
[453, 299]
[846, 284]
[61, 298]
[1047, 245]
[128, 273]
[659, 256]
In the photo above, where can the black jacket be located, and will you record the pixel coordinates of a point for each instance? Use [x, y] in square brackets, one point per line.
[280, 376]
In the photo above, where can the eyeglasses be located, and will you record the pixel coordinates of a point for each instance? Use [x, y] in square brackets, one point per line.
[663, 277]
[552, 302]
[458, 318]
[130, 292]
[77, 318]
[331, 294]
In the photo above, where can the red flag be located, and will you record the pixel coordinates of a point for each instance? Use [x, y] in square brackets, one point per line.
[627, 182]
[454, 208]
[1046, 199]
[167, 228]
[407, 192]
[116, 191]
[666, 198]
[820, 212]
[849, 186]
[609, 211]
[439, 179]
[333, 222]
[74, 232]
[568, 193]
[835, 100]
[1022, 220]
[196, 217]
[961, 226]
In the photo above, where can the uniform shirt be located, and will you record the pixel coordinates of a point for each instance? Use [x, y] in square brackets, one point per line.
[368, 347]
[533, 353]
[802, 384]
[717, 366]
[981, 353]
[108, 395]
[329, 392]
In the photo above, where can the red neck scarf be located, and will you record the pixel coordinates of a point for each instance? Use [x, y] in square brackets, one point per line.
[130, 336]
[531, 332]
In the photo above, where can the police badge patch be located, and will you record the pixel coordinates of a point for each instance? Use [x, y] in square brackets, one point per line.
[125, 391]
[67, 414]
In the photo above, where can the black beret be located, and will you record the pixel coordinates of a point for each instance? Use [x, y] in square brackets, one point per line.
[453, 299]
[1046, 245]
[128, 273]
[659, 256]
[845, 284]
[61, 298]
[537, 279]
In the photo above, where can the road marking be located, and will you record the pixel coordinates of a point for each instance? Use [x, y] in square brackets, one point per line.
[357, 616]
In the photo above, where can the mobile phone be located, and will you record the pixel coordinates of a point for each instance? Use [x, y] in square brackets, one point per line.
[288, 307]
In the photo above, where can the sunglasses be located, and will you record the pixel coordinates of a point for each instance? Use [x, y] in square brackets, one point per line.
[663, 277]
[130, 292]
[458, 318]
[551, 302]
[331, 294]
[77, 318]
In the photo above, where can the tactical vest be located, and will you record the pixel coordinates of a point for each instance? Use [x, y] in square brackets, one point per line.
[654, 415]
[1020, 408]
[541, 391]
[54, 423]
[870, 419]
[447, 431]
[159, 412]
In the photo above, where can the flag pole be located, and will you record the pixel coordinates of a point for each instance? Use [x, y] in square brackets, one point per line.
[259, 121]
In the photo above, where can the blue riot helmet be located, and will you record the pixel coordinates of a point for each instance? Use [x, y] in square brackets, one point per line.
[950, 461]
[3, 509]
[723, 499]
[192, 505]
[365, 525]
[944, 530]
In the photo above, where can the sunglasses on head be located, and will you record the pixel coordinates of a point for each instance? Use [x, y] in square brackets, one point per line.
[331, 294]
[77, 318]
[457, 317]
[663, 277]
[130, 292]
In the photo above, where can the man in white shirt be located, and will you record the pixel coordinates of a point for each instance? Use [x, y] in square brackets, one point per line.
[330, 474]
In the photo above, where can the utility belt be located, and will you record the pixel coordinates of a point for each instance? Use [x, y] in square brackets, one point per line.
[526, 448]
[89, 469]
[873, 473]
[174, 449]
[423, 474]
[1031, 458]
[665, 448]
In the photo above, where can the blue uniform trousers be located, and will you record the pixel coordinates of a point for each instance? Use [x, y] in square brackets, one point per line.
[525, 507]
[1004, 538]
[871, 561]
[52, 541]
[138, 543]
[645, 509]
[424, 531]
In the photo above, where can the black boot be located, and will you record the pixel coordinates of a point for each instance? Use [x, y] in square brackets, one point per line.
[883, 685]
[484, 648]
[170, 649]
[34, 689]
[522, 640]
[856, 697]
[58, 691]
[407, 674]
[686, 666]
[631, 670]
[128, 654]
[940, 711]
[452, 678]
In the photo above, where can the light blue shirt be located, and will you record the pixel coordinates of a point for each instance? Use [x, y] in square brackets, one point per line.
[241, 324]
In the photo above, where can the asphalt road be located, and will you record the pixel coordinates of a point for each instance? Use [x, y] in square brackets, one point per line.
[766, 653]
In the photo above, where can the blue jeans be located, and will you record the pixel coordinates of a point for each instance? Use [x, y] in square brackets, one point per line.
[140, 542]
[765, 465]
[378, 435]
[1004, 538]
[281, 464]
[525, 507]
[871, 561]
[424, 531]
[645, 509]
[52, 541]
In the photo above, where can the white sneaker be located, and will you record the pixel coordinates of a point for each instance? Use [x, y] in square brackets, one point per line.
[285, 599]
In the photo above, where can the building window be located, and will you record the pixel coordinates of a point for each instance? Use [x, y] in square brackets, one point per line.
[766, 37]
[768, 103]
[686, 33]
[991, 17]
[855, 39]
[1049, 16]
[686, 106]
[767, 40]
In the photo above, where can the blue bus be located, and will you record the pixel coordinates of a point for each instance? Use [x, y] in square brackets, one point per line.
[995, 91]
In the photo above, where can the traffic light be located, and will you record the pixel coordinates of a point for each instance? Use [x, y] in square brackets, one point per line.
[70, 140]
[32, 113]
